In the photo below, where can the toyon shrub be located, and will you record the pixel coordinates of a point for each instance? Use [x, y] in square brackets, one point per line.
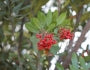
[65, 33]
[45, 41]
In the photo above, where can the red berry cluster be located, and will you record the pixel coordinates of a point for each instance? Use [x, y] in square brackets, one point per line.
[45, 41]
[65, 34]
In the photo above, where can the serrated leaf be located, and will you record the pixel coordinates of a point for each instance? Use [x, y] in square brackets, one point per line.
[51, 27]
[66, 22]
[49, 18]
[30, 27]
[61, 18]
[74, 61]
[35, 23]
[54, 16]
[42, 18]
[59, 66]
[54, 49]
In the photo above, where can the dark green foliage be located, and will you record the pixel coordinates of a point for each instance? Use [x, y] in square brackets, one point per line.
[12, 13]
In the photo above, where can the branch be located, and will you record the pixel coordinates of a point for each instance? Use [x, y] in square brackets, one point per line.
[62, 58]
[20, 44]
[78, 44]
[82, 37]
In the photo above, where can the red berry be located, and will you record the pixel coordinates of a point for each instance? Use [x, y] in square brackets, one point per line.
[45, 42]
[65, 34]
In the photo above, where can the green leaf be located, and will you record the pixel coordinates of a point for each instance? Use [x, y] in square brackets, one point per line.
[61, 18]
[51, 27]
[74, 61]
[49, 18]
[54, 16]
[59, 66]
[30, 27]
[66, 22]
[35, 23]
[34, 42]
[54, 49]
[42, 18]
[82, 63]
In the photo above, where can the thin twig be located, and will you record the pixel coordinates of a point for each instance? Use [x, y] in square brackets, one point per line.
[20, 44]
